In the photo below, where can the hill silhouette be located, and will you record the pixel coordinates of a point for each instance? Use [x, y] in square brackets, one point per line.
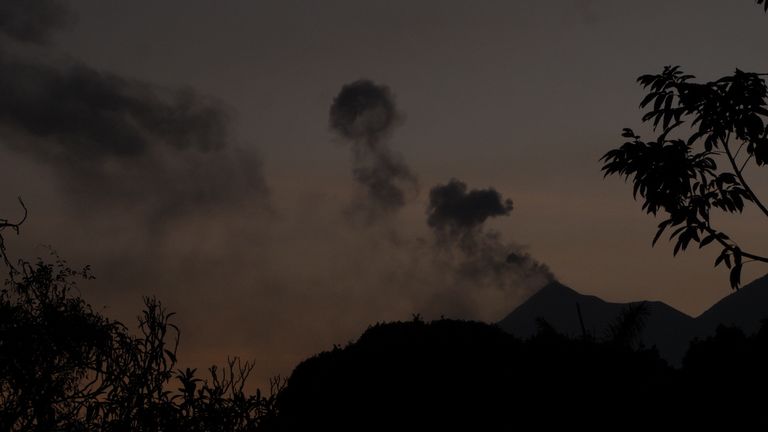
[744, 308]
[458, 375]
[666, 328]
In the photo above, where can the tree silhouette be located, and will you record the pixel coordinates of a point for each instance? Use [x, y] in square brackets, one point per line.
[709, 135]
[694, 169]
[678, 173]
[65, 367]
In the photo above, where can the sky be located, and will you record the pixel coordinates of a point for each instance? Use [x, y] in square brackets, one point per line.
[198, 151]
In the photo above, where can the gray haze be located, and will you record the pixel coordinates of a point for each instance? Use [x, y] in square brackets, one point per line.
[113, 141]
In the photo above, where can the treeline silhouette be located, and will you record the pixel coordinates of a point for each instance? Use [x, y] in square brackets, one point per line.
[66, 367]
[453, 375]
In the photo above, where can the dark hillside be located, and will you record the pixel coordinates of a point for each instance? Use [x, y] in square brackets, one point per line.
[449, 374]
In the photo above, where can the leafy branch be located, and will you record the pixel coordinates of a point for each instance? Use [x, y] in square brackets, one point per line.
[691, 168]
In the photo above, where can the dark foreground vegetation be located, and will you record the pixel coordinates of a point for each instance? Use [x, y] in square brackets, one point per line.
[65, 367]
[472, 376]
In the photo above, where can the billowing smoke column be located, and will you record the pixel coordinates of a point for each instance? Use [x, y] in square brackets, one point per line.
[364, 114]
[485, 269]
[112, 139]
[455, 214]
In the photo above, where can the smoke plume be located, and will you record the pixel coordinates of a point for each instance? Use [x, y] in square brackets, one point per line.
[485, 268]
[364, 114]
[455, 212]
[113, 139]
[133, 155]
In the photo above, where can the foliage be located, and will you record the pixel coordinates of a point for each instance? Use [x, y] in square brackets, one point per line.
[727, 370]
[709, 134]
[459, 375]
[64, 366]
[49, 343]
[626, 330]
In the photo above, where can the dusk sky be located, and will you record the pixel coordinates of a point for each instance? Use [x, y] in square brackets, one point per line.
[220, 186]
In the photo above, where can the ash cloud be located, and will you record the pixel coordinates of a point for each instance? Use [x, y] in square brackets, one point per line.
[95, 115]
[138, 150]
[454, 211]
[488, 273]
[364, 114]
[116, 141]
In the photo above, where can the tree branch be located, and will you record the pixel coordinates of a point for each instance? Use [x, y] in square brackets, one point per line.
[731, 247]
[744, 183]
[15, 227]
[745, 163]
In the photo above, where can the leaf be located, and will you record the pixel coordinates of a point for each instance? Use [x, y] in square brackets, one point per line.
[693, 138]
[710, 142]
[677, 231]
[170, 355]
[735, 276]
[628, 133]
[662, 227]
[721, 257]
[706, 240]
[646, 100]
[679, 245]
[668, 113]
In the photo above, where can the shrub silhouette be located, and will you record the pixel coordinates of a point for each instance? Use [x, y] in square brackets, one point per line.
[64, 367]
[454, 375]
[727, 373]
[451, 374]
[51, 342]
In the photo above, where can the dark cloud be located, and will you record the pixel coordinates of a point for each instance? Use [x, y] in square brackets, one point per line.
[364, 114]
[453, 209]
[364, 110]
[117, 142]
[84, 113]
[32, 20]
[114, 140]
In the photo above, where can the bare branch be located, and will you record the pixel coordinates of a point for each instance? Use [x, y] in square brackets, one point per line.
[15, 227]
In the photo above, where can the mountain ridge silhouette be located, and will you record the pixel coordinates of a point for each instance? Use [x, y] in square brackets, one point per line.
[667, 328]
